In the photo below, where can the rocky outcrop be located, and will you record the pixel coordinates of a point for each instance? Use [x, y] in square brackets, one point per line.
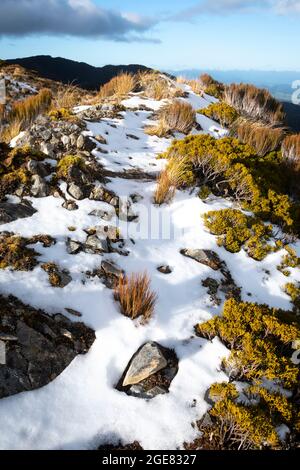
[10, 212]
[149, 372]
[38, 347]
[207, 257]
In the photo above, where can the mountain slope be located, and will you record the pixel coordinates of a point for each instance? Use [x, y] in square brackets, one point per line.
[69, 71]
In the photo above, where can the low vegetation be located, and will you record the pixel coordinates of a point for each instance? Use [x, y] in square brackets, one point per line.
[291, 151]
[211, 86]
[256, 103]
[14, 253]
[177, 174]
[23, 113]
[135, 296]
[177, 116]
[261, 342]
[264, 139]
[118, 87]
[236, 230]
[221, 112]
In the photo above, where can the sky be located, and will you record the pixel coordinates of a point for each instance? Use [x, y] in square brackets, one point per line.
[163, 34]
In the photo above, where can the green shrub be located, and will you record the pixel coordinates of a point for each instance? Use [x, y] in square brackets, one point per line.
[235, 230]
[66, 163]
[260, 340]
[223, 113]
[290, 260]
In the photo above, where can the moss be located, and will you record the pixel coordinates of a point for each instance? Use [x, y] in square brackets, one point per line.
[204, 192]
[14, 254]
[223, 113]
[66, 163]
[62, 114]
[53, 272]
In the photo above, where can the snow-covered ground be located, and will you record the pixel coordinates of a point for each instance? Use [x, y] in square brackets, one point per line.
[81, 409]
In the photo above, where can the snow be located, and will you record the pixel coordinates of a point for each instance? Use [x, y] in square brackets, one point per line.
[81, 409]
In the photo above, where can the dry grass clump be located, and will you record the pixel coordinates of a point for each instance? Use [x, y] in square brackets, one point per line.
[119, 86]
[291, 150]
[67, 97]
[23, 113]
[196, 86]
[154, 85]
[207, 80]
[135, 296]
[178, 173]
[177, 116]
[263, 139]
[257, 103]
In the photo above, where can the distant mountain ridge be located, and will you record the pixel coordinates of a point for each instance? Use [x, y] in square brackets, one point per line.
[69, 71]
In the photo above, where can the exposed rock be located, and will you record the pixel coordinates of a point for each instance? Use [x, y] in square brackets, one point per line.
[43, 348]
[48, 149]
[100, 193]
[212, 286]
[104, 215]
[207, 257]
[100, 139]
[150, 372]
[147, 361]
[76, 191]
[85, 143]
[70, 205]
[37, 168]
[39, 187]
[73, 312]
[73, 246]
[164, 269]
[109, 272]
[10, 212]
[57, 277]
[136, 198]
[95, 245]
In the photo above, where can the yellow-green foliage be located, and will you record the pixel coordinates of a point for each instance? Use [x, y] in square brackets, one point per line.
[235, 230]
[276, 403]
[223, 113]
[221, 391]
[248, 427]
[232, 168]
[264, 139]
[62, 114]
[290, 260]
[260, 340]
[67, 162]
[211, 86]
[293, 290]
[15, 255]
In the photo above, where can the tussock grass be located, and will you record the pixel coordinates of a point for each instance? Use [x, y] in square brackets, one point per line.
[291, 150]
[175, 116]
[264, 139]
[135, 296]
[177, 173]
[158, 87]
[119, 86]
[67, 97]
[23, 113]
[254, 102]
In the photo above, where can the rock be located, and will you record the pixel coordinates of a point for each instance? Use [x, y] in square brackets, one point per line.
[110, 273]
[152, 369]
[104, 215]
[70, 205]
[101, 139]
[57, 277]
[48, 149]
[43, 348]
[46, 135]
[76, 191]
[164, 269]
[95, 245]
[85, 143]
[136, 198]
[107, 231]
[75, 313]
[65, 140]
[207, 257]
[148, 360]
[36, 168]
[39, 187]
[10, 212]
[73, 247]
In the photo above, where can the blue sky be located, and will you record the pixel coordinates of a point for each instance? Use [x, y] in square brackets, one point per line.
[166, 34]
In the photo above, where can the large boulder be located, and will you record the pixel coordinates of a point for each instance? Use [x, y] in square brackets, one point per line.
[10, 212]
[36, 347]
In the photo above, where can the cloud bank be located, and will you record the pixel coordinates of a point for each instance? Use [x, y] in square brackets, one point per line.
[81, 18]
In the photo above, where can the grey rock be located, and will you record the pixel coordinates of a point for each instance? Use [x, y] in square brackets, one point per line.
[48, 149]
[104, 215]
[36, 168]
[70, 205]
[73, 247]
[76, 191]
[65, 140]
[85, 143]
[10, 212]
[95, 245]
[42, 348]
[39, 187]
[164, 269]
[206, 257]
[46, 135]
[148, 360]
